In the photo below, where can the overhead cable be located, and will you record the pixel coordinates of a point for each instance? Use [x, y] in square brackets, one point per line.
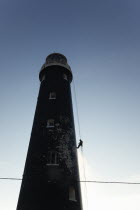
[87, 181]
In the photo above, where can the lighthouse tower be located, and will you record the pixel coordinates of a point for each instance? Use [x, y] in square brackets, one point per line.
[50, 179]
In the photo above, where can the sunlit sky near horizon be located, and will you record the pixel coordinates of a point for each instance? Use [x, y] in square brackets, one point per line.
[101, 40]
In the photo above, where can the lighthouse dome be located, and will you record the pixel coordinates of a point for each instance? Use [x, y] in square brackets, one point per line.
[56, 59]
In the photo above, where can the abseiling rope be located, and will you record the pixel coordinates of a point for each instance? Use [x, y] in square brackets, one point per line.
[77, 113]
[86, 194]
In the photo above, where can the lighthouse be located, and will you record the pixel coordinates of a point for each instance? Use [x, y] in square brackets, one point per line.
[51, 177]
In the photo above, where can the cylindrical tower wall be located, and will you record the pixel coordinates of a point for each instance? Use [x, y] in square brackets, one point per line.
[51, 174]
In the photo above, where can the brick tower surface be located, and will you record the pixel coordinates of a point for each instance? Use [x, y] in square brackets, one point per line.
[50, 179]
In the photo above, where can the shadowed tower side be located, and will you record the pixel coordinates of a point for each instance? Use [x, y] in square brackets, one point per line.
[51, 169]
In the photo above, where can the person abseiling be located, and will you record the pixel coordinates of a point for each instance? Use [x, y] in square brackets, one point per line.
[80, 144]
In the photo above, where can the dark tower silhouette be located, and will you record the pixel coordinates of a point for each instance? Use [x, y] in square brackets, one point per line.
[50, 179]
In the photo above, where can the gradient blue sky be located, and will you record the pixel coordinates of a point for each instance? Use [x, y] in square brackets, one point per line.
[101, 40]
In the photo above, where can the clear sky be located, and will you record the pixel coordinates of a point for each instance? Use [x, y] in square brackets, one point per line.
[101, 40]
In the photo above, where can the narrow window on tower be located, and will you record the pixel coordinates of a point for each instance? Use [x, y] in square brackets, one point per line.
[50, 123]
[52, 95]
[43, 78]
[65, 76]
[52, 158]
[72, 196]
